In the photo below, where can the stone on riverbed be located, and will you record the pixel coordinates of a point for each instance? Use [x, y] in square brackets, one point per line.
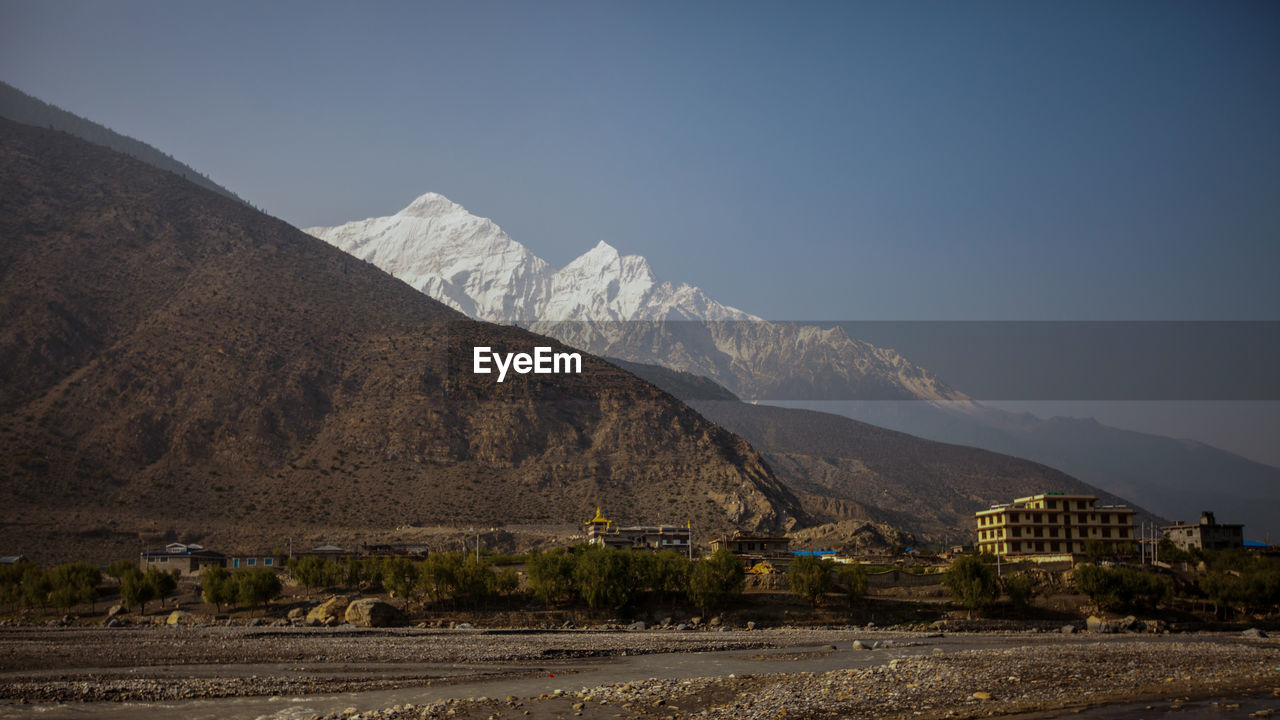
[370, 612]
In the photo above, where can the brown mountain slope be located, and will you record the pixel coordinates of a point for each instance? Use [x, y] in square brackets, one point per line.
[176, 361]
[845, 470]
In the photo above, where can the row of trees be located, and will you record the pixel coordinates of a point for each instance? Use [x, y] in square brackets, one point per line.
[607, 577]
[61, 587]
[812, 578]
[246, 586]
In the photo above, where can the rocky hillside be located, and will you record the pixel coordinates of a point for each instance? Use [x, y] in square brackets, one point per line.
[179, 363]
[866, 481]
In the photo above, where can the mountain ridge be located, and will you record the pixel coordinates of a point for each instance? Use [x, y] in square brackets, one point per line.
[184, 365]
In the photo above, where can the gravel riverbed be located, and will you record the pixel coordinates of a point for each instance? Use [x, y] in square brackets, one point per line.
[908, 675]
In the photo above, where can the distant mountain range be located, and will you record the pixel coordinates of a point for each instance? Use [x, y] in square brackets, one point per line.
[178, 363]
[615, 306]
[23, 108]
[859, 475]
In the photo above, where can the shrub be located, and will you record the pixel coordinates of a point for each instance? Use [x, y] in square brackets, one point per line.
[1020, 590]
[971, 582]
[551, 575]
[852, 580]
[810, 578]
[216, 586]
[1122, 587]
[716, 580]
[601, 576]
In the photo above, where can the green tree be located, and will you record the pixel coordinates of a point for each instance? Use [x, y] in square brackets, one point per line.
[36, 586]
[162, 583]
[135, 591]
[74, 583]
[216, 586]
[1122, 587]
[971, 582]
[852, 579]
[11, 583]
[810, 578]
[118, 569]
[1020, 590]
[716, 580]
[256, 586]
[439, 575]
[551, 575]
[506, 581]
[475, 580]
[399, 577]
[602, 576]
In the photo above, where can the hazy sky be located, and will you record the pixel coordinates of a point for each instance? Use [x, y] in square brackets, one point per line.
[833, 160]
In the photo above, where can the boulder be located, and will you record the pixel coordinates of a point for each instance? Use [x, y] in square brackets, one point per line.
[181, 617]
[1096, 624]
[638, 625]
[715, 621]
[859, 645]
[297, 615]
[1068, 629]
[1255, 634]
[370, 612]
[329, 613]
[117, 610]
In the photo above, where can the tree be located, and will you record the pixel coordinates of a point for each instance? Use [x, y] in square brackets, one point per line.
[1122, 587]
[715, 580]
[36, 587]
[852, 579]
[135, 590]
[118, 569]
[217, 587]
[474, 579]
[1020, 590]
[74, 583]
[439, 574]
[810, 578]
[256, 586]
[971, 582]
[162, 583]
[399, 576]
[551, 575]
[602, 576]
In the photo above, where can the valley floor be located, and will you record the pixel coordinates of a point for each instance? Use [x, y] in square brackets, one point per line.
[253, 672]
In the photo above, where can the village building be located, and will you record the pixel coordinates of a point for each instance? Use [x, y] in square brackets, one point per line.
[601, 531]
[1208, 534]
[757, 551]
[1053, 524]
[187, 559]
[270, 560]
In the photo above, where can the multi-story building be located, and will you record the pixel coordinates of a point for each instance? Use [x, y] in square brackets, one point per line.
[601, 531]
[1208, 534]
[1053, 524]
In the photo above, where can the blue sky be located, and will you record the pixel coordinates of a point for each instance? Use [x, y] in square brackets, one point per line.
[856, 160]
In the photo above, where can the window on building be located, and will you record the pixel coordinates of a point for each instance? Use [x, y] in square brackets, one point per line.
[1053, 504]
[1106, 532]
[268, 561]
[253, 561]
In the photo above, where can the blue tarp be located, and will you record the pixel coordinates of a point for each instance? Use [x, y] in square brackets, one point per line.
[812, 553]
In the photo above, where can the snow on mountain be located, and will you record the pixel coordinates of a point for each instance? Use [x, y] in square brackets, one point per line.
[469, 263]
[615, 306]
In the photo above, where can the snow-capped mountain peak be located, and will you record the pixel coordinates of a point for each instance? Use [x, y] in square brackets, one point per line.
[431, 204]
[469, 263]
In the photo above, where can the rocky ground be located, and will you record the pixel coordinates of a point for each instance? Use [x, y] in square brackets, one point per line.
[907, 674]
